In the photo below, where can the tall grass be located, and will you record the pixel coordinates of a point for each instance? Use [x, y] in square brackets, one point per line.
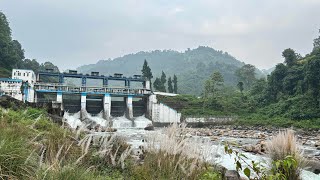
[281, 147]
[171, 156]
[18, 160]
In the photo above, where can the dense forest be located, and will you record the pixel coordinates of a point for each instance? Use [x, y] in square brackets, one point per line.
[12, 53]
[289, 96]
[191, 67]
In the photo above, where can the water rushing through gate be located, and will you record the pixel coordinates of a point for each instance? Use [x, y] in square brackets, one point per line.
[81, 119]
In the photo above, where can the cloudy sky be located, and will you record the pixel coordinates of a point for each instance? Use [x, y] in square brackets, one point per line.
[74, 32]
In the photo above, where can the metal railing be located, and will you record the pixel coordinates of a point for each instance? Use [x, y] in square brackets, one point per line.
[53, 87]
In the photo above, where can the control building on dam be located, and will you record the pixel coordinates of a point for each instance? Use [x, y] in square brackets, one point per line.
[114, 96]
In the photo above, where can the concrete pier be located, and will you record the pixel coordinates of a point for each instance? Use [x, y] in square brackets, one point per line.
[129, 107]
[107, 106]
[59, 97]
[83, 101]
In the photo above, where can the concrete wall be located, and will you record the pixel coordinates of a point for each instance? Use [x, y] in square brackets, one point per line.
[160, 113]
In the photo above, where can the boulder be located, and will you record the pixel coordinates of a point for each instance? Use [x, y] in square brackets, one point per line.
[232, 175]
[149, 128]
[248, 148]
[317, 144]
[313, 166]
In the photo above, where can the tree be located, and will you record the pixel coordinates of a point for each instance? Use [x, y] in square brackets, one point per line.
[240, 86]
[213, 84]
[170, 87]
[146, 71]
[246, 74]
[316, 42]
[275, 82]
[11, 52]
[290, 56]
[163, 81]
[175, 84]
[157, 84]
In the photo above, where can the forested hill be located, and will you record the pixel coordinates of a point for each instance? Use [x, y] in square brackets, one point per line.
[192, 67]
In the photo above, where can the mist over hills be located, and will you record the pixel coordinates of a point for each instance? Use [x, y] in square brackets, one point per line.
[192, 67]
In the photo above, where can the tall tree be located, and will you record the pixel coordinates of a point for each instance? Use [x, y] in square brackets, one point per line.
[213, 84]
[157, 84]
[246, 74]
[146, 71]
[170, 87]
[11, 52]
[163, 82]
[175, 84]
[290, 56]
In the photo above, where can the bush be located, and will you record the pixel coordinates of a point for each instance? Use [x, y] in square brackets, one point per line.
[282, 149]
[170, 156]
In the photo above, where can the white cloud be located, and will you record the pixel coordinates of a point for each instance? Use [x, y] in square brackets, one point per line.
[86, 31]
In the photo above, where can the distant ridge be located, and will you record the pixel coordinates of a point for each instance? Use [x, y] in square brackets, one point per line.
[192, 67]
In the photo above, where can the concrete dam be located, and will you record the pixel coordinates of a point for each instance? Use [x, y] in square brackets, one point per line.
[117, 100]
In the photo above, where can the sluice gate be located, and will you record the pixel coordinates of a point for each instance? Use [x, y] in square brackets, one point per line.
[94, 94]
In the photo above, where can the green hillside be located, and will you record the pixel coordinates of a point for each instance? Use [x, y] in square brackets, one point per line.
[192, 67]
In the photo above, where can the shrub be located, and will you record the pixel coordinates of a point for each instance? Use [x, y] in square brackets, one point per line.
[170, 156]
[281, 147]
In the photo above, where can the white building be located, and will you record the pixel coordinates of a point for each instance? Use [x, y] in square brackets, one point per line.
[11, 87]
[26, 76]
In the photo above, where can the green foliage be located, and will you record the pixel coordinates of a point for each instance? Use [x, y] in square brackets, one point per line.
[11, 52]
[290, 56]
[316, 43]
[175, 84]
[17, 159]
[213, 85]
[146, 71]
[157, 84]
[283, 169]
[170, 87]
[240, 86]
[246, 74]
[70, 172]
[163, 81]
[184, 65]
[211, 175]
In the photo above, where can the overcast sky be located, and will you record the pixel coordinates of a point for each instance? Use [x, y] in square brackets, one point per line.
[71, 33]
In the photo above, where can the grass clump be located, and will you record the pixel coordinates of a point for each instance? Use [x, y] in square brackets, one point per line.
[285, 148]
[171, 156]
[18, 160]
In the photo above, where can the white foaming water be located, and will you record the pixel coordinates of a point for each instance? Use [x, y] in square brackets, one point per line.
[121, 122]
[98, 119]
[141, 122]
[73, 120]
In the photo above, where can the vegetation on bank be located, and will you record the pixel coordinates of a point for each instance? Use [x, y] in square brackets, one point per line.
[32, 147]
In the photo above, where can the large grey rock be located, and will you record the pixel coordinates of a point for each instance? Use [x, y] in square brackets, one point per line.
[232, 175]
[313, 166]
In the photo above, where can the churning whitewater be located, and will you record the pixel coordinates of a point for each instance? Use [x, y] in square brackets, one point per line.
[84, 119]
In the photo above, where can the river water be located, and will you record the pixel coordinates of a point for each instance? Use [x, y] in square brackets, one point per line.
[133, 131]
